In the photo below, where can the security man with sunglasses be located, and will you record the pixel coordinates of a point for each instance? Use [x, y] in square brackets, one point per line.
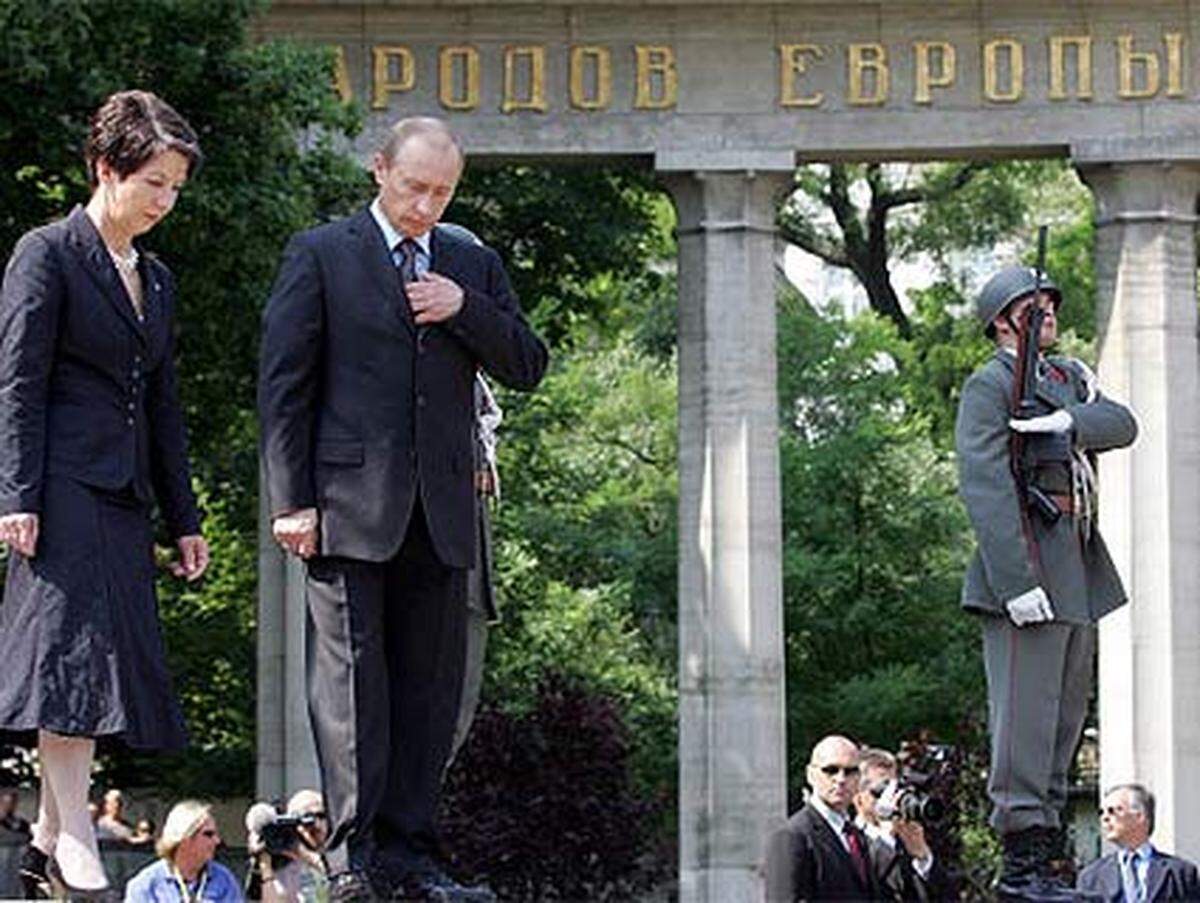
[821, 854]
[1041, 576]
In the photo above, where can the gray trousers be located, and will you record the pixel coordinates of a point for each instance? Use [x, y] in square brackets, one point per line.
[481, 613]
[1039, 680]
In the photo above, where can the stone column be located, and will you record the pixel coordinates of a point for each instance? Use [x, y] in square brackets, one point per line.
[286, 760]
[731, 678]
[1150, 494]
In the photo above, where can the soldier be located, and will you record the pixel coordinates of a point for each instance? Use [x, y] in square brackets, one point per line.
[1041, 576]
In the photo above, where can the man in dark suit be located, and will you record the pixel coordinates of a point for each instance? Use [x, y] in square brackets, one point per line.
[821, 854]
[900, 855]
[372, 338]
[1136, 872]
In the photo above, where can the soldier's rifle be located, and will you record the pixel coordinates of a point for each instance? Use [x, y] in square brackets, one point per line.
[1025, 405]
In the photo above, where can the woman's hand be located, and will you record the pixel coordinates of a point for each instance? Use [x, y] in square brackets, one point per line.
[20, 531]
[193, 557]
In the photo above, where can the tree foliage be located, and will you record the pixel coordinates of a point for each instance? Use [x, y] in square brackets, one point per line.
[874, 543]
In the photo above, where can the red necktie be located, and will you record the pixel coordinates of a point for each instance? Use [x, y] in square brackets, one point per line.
[857, 855]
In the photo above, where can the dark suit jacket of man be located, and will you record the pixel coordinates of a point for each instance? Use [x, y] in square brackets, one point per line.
[898, 877]
[815, 864]
[91, 392]
[1168, 878]
[360, 407]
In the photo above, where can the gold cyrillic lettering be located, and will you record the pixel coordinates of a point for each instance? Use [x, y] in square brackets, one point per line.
[453, 94]
[383, 85]
[1174, 42]
[600, 60]
[792, 65]
[1083, 66]
[991, 70]
[534, 57]
[861, 58]
[655, 60]
[1127, 59]
[925, 77]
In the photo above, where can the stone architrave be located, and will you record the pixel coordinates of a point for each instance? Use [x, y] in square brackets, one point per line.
[731, 703]
[1150, 498]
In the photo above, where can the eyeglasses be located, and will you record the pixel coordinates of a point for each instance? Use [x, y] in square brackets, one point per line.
[1113, 811]
[847, 770]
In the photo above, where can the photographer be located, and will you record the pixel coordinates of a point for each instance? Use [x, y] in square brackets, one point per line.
[286, 850]
[899, 852]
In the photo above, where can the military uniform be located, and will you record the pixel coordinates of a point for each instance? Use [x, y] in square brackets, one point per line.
[1039, 675]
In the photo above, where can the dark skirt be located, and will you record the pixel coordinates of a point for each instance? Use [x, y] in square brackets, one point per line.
[80, 641]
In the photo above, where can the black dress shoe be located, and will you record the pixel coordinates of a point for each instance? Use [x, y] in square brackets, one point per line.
[435, 886]
[35, 880]
[350, 887]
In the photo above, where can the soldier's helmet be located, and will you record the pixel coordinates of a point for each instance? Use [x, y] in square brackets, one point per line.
[1006, 287]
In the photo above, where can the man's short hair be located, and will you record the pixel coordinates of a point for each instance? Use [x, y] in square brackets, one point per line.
[873, 757]
[413, 126]
[1141, 800]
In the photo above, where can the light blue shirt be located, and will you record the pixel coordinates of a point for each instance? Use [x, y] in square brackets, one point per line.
[393, 238]
[156, 884]
[1141, 865]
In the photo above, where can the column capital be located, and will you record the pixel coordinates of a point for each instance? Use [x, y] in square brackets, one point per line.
[1144, 191]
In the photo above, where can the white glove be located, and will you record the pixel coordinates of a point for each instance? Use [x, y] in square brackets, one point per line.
[1032, 607]
[1058, 422]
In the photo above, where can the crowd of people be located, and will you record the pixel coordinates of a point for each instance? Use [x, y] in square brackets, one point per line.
[285, 846]
[860, 835]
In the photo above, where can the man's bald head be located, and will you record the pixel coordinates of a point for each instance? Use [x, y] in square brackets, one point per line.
[833, 771]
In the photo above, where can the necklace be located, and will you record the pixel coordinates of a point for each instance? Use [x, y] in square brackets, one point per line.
[127, 262]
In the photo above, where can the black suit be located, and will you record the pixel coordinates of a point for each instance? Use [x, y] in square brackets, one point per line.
[1167, 878]
[898, 877]
[91, 434]
[89, 391]
[369, 419]
[811, 863]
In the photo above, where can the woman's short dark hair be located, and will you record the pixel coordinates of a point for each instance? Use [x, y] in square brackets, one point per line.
[131, 127]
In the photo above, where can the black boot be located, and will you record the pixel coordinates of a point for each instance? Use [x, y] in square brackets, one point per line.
[1026, 869]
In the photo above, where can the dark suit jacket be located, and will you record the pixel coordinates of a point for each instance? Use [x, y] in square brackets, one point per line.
[1168, 878]
[810, 863]
[360, 409]
[898, 878]
[86, 391]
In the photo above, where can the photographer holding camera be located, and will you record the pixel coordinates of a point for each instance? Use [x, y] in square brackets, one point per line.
[890, 812]
[286, 862]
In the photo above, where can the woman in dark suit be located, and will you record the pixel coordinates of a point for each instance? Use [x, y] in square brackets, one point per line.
[91, 436]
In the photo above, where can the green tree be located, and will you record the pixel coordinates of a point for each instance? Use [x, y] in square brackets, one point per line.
[874, 543]
[865, 218]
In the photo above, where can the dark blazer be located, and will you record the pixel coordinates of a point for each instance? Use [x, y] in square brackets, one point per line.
[1168, 878]
[810, 863]
[898, 878]
[86, 391]
[360, 409]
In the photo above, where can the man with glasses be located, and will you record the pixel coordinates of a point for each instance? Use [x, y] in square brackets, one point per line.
[900, 855]
[1041, 576]
[1136, 872]
[821, 854]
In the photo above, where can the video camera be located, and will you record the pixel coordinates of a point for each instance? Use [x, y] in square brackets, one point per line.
[907, 799]
[277, 832]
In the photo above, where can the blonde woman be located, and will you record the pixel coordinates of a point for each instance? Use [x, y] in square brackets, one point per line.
[185, 871]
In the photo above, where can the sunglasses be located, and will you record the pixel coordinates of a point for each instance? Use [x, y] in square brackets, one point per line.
[1114, 811]
[847, 770]
[210, 832]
